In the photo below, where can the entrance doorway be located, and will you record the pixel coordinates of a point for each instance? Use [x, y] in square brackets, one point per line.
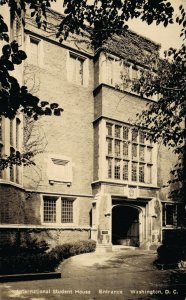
[125, 226]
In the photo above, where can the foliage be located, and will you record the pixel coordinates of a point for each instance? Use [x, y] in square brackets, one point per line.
[83, 247]
[14, 97]
[165, 118]
[173, 249]
[62, 252]
[101, 18]
[69, 249]
[170, 254]
[19, 264]
[31, 256]
[27, 246]
[174, 237]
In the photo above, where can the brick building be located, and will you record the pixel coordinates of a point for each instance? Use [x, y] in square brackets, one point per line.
[96, 176]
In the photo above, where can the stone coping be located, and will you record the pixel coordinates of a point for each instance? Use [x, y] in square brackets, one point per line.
[29, 276]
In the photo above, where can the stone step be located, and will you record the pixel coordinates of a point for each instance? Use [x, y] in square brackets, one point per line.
[121, 247]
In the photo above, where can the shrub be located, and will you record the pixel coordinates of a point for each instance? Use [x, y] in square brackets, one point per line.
[62, 252]
[173, 249]
[33, 246]
[66, 250]
[171, 253]
[28, 246]
[32, 260]
[83, 247]
[45, 262]
[174, 237]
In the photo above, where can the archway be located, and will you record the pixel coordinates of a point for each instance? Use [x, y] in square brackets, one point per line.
[125, 225]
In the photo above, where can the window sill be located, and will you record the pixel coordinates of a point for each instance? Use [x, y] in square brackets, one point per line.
[126, 183]
[170, 227]
[63, 226]
[48, 226]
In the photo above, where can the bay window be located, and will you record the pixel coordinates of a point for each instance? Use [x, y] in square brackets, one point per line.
[129, 154]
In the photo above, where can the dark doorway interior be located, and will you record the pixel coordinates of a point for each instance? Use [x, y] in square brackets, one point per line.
[125, 226]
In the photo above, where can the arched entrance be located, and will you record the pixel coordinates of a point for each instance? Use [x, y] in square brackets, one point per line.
[125, 225]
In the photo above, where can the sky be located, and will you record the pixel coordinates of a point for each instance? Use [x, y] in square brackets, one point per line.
[165, 36]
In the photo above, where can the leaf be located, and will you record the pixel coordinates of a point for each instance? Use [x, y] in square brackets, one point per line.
[16, 59]
[6, 50]
[165, 23]
[4, 36]
[14, 46]
[9, 65]
[43, 103]
[48, 111]
[22, 54]
[54, 105]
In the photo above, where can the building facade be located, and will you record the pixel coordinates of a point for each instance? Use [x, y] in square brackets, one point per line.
[96, 175]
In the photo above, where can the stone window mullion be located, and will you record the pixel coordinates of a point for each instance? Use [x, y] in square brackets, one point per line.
[58, 210]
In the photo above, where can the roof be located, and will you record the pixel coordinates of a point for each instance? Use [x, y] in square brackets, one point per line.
[130, 45]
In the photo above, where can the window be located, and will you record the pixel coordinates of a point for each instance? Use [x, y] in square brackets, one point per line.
[125, 133]
[1, 145]
[77, 69]
[58, 210]
[134, 151]
[12, 132]
[131, 153]
[12, 168]
[1, 171]
[10, 145]
[141, 153]
[134, 171]
[149, 154]
[134, 73]
[125, 149]
[116, 72]
[18, 122]
[14, 148]
[1, 129]
[49, 207]
[141, 173]
[117, 169]
[125, 76]
[110, 70]
[117, 148]
[59, 169]
[109, 164]
[149, 174]
[109, 129]
[66, 211]
[169, 214]
[142, 137]
[109, 146]
[117, 131]
[134, 134]
[125, 170]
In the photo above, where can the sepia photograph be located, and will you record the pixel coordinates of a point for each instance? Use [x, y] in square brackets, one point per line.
[92, 150]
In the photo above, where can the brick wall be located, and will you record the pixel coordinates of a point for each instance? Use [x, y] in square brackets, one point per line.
[71, 134]
[53, 236]
[121, 106]
[96, 151]
[12, 205]
[124, 107]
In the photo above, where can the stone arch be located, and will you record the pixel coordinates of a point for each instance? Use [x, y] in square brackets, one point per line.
[126, 225]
